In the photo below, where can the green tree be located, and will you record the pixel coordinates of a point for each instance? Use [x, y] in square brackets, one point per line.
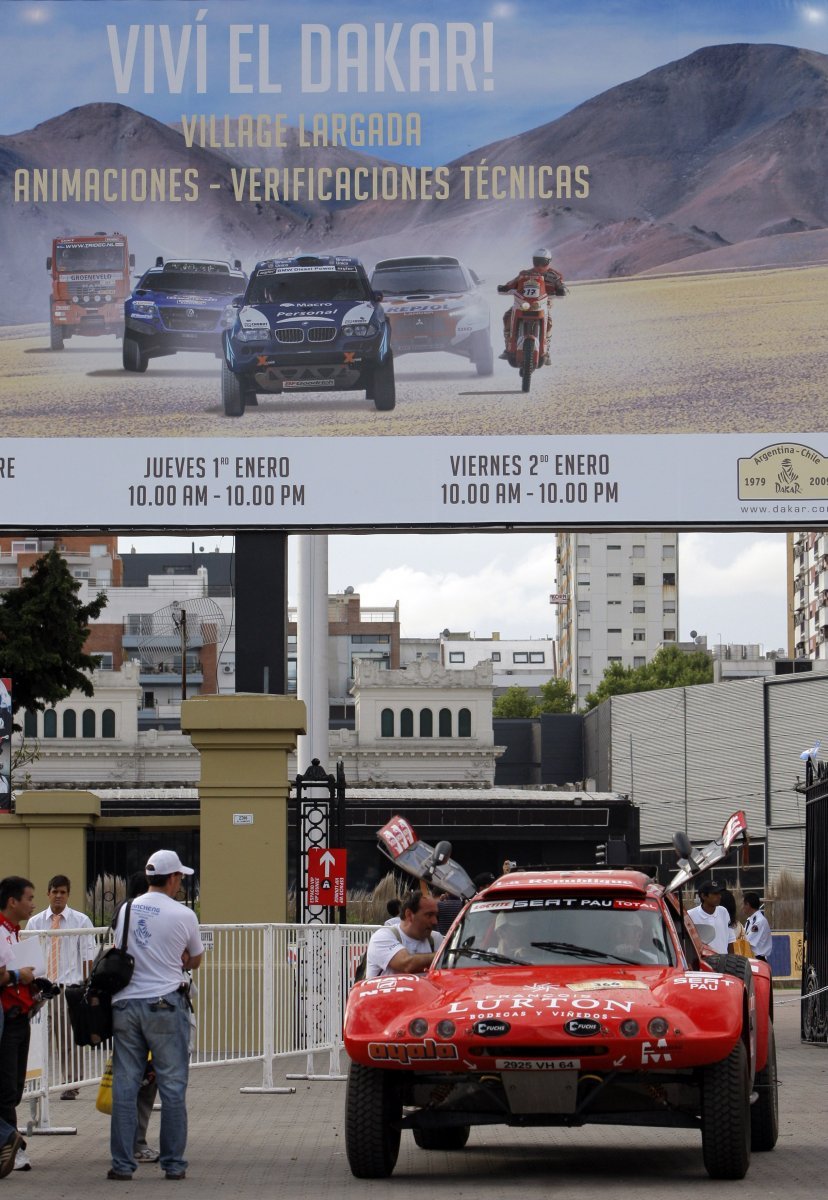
[554, 697]
[515, 702]
[669, 667]
[43, 630]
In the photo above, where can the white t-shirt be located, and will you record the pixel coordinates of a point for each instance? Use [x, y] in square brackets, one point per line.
[72, 952]
[720, 921]
[385, 943]
[758, 933]
[160, 930]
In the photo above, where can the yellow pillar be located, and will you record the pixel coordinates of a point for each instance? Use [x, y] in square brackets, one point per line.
[46, 837]
[244, 742]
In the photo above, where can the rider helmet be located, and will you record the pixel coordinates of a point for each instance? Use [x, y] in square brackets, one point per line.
[542, 257]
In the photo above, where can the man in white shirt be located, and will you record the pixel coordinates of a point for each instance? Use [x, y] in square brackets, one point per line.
[152, 1015]
[68, 960]
[757, 929]
[408, 948]
[711, 912]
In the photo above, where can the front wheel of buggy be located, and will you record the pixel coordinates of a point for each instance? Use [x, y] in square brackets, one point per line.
[725, 1115]
[373, 1109]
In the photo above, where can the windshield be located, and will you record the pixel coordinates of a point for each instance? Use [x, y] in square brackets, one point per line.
[404, 280]
[270, 287]
[190, 283]
[549, 931]
[89, 256]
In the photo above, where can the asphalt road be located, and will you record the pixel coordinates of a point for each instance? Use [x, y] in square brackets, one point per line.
[253, 1146]
[728, 352]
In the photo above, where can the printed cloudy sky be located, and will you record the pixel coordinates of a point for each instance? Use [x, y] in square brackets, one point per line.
[731, 586]
[578, 50]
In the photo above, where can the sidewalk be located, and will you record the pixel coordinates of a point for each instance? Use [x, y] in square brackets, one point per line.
[254, 1147]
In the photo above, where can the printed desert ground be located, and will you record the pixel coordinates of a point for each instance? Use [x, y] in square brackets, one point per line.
[733, 351]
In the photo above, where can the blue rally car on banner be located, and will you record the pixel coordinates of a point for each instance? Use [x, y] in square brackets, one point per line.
[179, 305]
[310, 324]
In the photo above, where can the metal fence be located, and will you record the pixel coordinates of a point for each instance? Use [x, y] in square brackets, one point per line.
[263, 992]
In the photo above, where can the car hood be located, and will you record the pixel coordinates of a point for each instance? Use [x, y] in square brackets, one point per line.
[336, 313]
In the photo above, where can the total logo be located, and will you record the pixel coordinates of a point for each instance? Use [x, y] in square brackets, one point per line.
[411, 1052]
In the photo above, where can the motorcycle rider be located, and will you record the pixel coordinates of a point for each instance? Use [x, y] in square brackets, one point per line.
[553, 280]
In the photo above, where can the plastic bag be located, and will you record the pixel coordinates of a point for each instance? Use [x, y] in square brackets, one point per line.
[104, 1100]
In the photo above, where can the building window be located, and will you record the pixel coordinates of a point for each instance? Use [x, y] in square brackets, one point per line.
[614, 658]
[583, 606]
[457, 656]
[70, 724]
[387, 723]
[537, 656]
[582, 553]
[639, 606]
[639, 635]
[444, 722]
[638, 581]
[618, 631]
[88, 723]
[406, 723]
[613, 547]
[520, 656]
[613, 574]
[669, 608]
[464, 723]
[583, 581]
[29, 723]
[369, 639]
[669, 635]
[104, 661]
[584, 665]
[638, 552]
[668, 552]
[615, 603]
[584, 635]
[495, 656]
[108, 723]
[669, 579]
[426, 722]
[639, 660]
[50, 723]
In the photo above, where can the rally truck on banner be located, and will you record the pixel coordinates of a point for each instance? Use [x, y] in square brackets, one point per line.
[309, 324]
[563, 998]
[434, 303]
[181, 304]
[90, 281]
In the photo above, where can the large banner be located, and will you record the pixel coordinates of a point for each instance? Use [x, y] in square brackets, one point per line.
[508, 264]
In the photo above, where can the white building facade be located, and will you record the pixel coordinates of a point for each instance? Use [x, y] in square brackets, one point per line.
[617, 601]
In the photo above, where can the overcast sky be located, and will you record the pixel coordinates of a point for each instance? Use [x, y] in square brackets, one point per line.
[731, 586]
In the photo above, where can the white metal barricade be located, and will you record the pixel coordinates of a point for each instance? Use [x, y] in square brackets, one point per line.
[263, 992]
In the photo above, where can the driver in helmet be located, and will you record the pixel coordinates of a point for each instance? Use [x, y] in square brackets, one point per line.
[541, 265]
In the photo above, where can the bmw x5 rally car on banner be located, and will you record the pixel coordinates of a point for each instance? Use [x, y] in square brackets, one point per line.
[309, 324]
[182, 304]
[435, 303]
[562, 998]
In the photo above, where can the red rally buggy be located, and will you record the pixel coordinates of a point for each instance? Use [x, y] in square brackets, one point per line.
[561, 998]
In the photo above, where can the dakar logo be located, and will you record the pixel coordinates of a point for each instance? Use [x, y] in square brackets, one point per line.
[784, 469]
[411, 1052]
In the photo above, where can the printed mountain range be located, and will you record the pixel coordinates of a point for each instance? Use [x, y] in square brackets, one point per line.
[716, 160]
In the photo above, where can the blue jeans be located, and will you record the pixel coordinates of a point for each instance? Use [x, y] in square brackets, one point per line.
[162, 1027]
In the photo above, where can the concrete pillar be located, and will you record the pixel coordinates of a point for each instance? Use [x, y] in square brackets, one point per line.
[46, 836]
[244, 742]
[312, 649]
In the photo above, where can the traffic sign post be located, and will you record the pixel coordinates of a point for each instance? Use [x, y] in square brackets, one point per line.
[327, 871]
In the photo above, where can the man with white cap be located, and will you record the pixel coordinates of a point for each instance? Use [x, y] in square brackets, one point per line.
[151, 1015]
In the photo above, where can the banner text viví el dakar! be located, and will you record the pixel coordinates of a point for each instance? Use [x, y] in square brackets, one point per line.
[251, 261]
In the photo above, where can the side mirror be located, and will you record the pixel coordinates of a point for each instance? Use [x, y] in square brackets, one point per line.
[682, 845]
[159, 262]
[377, 297]
[132, 260]
[236, 264]
[237, 301]
[442, 853]
[49, 263]
[476, 278]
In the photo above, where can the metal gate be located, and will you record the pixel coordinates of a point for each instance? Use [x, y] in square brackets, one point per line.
[113, 855]
[815, 960]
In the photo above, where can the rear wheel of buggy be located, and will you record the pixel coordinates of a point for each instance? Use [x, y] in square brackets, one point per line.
[373, 1109]
[764, 1112]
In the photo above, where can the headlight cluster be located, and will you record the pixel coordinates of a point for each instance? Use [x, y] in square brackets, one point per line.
[419, 1028]
[656, 1027]
[253, 335]
[366, 330]
[144, 309]
[96, 299]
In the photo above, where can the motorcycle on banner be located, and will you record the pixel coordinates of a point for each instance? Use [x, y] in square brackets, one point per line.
[526, 342]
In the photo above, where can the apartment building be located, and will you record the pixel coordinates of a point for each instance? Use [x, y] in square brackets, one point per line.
[617, 601]
[808, 594]
[526, 663]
